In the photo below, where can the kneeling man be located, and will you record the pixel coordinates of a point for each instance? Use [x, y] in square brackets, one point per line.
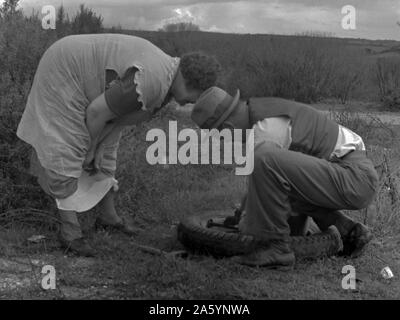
[305, 165]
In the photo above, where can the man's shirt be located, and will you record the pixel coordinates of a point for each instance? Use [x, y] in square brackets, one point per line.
[278, 130]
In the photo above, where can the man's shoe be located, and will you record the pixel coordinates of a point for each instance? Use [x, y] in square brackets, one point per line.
[356, 240]
[278, 256]
[78, 246]
[123, 227]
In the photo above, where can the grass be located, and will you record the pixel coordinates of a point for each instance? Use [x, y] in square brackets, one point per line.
[155, 198]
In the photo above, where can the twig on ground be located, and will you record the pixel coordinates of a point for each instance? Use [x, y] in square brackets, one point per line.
[158, 252]
[21, 214]
[390, 182]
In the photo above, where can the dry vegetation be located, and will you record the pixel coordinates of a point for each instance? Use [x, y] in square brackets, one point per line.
[303, 68]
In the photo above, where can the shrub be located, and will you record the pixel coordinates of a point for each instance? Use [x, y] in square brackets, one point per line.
[180, 26]
[368, 126]
[22, 43]
[347, 77]
[86, 21]
[388, 81]
[305, 69]
[63, 23]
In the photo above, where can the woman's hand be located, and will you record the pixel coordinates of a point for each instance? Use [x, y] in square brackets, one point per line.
[88, 163]
[93, 159]
[98, 156]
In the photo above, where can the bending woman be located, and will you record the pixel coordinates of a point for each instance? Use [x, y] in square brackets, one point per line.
[85, 90]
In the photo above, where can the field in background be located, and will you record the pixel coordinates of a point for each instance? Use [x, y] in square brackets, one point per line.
[326, 71]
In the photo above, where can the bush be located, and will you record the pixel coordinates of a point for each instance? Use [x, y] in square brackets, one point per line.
[63, 24]
[348, 76]
[368, 126]
[305, 69]
[86, 21]
[22, 43]
[181, 26]
[388, 81]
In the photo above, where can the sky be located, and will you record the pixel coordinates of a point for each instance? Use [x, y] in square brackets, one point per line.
[375, 19]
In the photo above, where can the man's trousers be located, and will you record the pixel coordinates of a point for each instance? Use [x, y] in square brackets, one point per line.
[285, 182]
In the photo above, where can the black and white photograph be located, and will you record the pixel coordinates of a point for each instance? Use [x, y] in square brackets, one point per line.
[199, 155]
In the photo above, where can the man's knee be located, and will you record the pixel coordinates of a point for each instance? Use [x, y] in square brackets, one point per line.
[265, 154]
[361, 197]
[359, 202]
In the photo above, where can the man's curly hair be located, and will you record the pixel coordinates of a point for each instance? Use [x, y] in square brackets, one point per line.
[199, 70]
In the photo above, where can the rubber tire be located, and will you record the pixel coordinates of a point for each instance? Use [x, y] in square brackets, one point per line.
[195, 236]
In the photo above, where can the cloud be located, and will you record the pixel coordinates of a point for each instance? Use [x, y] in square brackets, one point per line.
[375, 19]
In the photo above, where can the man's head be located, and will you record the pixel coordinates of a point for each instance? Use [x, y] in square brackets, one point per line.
[197, 72]
[216, 109]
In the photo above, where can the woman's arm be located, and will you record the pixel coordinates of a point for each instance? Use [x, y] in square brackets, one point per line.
[110, 135]
[97, 115]
[120, 103]
[112, 130]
